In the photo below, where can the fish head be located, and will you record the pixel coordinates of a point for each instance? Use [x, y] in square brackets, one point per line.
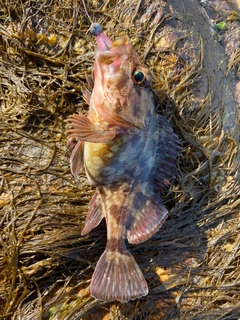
[122, 84]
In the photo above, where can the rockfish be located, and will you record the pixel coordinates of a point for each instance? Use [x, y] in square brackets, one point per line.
[129, 152]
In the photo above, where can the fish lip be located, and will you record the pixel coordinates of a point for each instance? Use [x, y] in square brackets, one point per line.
[104, 44]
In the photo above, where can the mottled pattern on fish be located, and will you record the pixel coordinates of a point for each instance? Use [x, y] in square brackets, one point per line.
[129, 153]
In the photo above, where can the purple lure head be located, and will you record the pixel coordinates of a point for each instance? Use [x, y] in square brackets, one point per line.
[95, 29]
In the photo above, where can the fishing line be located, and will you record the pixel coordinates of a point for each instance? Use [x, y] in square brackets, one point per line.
[85, 8]
[95, 28]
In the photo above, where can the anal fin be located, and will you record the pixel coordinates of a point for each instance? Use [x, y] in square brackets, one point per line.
[118, 277]
[95, 214]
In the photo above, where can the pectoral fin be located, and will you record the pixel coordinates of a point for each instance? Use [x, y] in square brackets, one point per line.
[83, 129]
[113, 118]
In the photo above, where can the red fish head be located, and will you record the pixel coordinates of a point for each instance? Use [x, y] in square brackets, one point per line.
[122, 84]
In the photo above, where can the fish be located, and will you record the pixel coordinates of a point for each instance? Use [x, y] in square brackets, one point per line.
[130, 154]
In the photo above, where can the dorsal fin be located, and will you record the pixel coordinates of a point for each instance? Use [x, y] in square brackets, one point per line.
[87, 95]
[88, 91]
[156, 168]
[168, 149]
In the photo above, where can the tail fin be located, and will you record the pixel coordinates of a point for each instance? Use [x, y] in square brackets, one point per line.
[118, 277]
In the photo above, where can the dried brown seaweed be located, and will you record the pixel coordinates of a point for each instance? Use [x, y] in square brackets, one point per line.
[192, 263]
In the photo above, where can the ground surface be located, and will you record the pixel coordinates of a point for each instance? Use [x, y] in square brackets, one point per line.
[192, 263]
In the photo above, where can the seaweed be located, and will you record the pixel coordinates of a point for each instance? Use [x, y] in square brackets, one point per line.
[192, 263]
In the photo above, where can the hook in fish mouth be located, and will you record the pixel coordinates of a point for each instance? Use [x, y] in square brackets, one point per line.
[103, 42]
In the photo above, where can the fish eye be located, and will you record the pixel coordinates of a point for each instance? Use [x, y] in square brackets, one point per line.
[141, 77]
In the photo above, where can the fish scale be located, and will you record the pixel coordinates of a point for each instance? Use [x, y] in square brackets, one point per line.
[130, 154]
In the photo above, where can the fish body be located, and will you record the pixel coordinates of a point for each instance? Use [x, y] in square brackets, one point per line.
[129, 152]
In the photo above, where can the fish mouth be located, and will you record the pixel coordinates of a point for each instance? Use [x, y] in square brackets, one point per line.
[111, 53]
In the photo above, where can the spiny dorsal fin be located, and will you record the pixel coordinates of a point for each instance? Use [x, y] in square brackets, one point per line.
[87, 95]
[88, 91]
[168, 149]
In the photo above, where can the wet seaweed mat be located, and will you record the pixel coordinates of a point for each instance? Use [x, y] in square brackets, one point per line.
[192, 264]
